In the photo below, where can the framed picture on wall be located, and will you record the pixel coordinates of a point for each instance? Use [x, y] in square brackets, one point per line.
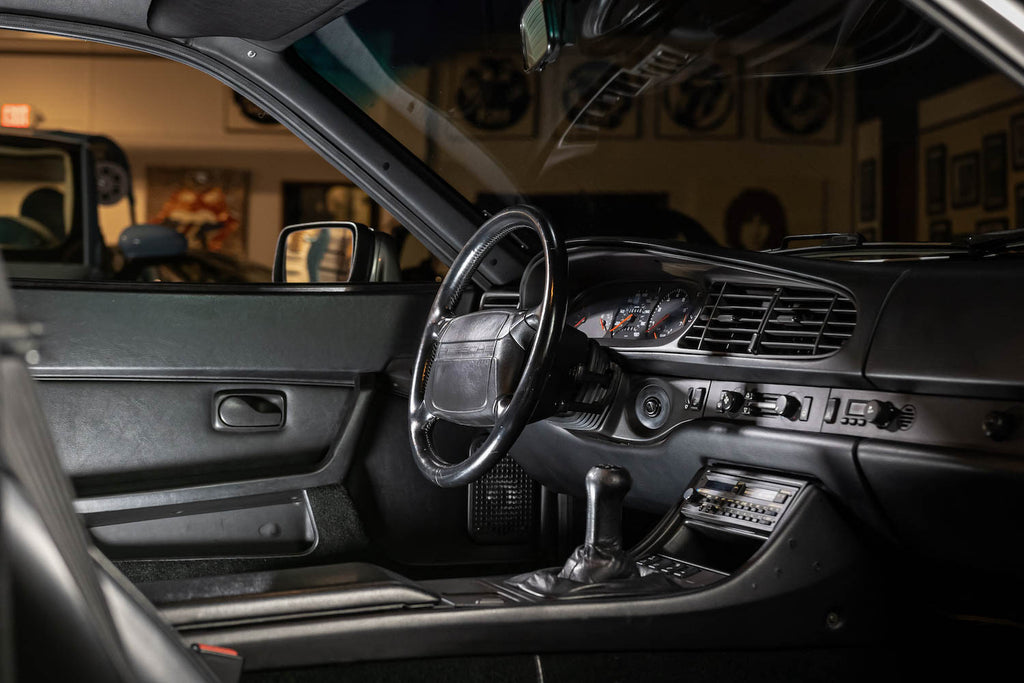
[308, 202]
[964, 179]
[868, 201]
[935, 179]
[244, 116]
[1017, 141]
[706, 106]
[799, 110]
[940, 231]
[993, 156]
[992, 225]
[488, 94]
[1018, 205]
[206, 205]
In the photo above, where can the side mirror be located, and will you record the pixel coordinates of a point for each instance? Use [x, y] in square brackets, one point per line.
[150, 240]
[334, 251]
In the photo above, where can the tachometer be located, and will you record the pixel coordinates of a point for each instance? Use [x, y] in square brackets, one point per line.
[671, 314]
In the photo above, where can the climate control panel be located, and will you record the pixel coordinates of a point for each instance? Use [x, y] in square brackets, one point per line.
[939, 420]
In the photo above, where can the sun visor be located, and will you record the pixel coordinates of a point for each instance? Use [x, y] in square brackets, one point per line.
[273, 23]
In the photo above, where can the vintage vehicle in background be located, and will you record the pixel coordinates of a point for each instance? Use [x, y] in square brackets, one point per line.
[52, 185]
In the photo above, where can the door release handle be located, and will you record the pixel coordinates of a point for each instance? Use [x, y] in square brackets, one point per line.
[248, 411]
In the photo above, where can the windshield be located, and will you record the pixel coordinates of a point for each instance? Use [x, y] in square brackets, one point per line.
[734, 122]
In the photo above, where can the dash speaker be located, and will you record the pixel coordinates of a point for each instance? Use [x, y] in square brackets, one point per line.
[504, 505]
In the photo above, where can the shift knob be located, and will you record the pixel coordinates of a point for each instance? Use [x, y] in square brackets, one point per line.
[607, 486]
[601, 557]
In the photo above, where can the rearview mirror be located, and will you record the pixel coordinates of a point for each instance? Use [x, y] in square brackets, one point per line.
[540, 30]
[334, 251]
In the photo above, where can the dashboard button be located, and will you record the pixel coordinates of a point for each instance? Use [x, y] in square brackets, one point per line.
[805, 409]
[831, 410]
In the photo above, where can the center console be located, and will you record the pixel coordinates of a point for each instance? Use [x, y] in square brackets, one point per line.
[722, 520]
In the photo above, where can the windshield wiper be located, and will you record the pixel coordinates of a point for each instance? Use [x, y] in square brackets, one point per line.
[852, 245]
[831, 240]
[990, 242]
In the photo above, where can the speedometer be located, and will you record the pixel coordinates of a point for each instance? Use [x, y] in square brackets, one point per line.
[670, 315]
[630, 320]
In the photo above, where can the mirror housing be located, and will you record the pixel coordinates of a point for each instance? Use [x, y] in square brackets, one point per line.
[325, 252]
[151, 240]
[542, 32]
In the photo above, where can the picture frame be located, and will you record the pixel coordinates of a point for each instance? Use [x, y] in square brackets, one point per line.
[940, 231]
[994, 176]
[1017, 141]
[868, 179]
[935, 179]
[241, 115]
[307, 202]
[207, 205]
[488, 95]
[700, 108]
[800, 110]
[964, 180]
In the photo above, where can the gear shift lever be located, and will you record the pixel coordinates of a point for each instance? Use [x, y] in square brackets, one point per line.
[601, 557]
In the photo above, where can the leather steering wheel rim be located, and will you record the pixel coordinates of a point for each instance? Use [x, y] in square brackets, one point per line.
[511, 421]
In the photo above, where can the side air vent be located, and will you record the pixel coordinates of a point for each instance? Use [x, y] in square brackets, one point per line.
[774, 321]
[498, 299]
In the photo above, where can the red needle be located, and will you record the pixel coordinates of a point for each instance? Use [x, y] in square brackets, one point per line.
[658, 323]
[581, 321]
[621, 322]
[603, 326]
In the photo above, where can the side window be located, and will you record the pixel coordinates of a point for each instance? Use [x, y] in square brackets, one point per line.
[115, 165]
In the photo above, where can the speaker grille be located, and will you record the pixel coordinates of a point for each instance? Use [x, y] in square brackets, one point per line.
[503, 505]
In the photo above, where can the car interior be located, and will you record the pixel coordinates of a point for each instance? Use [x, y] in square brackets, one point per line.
[610, 440]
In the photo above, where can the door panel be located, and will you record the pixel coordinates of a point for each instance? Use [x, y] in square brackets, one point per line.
[133, 383]
[122, 437]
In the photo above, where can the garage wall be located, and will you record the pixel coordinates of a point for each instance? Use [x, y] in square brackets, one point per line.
[162, 114]
[956, 123]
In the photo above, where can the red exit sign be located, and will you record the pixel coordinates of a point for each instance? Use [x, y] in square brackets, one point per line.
[16, 115]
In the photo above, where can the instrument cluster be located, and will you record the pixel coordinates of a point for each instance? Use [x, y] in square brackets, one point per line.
[652, 312]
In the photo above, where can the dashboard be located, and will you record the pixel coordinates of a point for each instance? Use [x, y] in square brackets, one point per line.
[897, 386]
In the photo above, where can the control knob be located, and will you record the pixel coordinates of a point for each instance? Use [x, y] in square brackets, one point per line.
[787, 406]
[880, 413]
[730, 401]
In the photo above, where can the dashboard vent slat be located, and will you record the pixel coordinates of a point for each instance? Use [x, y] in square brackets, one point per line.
[771, 321]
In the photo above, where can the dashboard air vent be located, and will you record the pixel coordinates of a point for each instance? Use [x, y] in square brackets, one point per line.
[769, 320]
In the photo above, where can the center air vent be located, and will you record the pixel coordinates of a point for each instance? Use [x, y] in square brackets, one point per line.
[768, 320]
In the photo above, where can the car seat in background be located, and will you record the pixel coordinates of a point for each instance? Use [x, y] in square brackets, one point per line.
[46, 206]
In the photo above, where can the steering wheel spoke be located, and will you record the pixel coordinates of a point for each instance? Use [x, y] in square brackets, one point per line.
[472, 376]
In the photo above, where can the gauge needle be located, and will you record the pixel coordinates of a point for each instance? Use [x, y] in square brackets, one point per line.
[581, 321]
[621, 322]
[663, 318]
[603, 325]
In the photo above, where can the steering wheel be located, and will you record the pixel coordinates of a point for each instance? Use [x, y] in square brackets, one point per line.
[486, 369]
